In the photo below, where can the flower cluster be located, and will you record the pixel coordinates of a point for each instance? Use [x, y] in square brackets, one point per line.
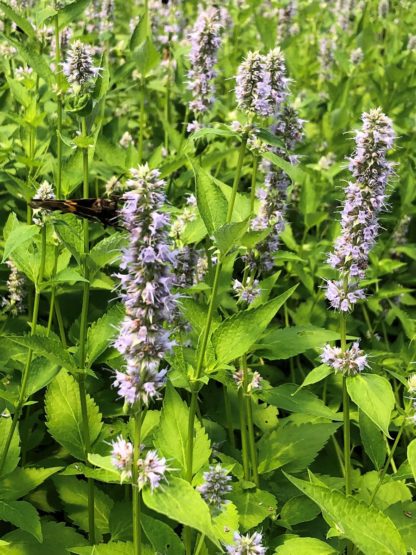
[168, 21]
[411, 387]
[247, 545]
[254, 380]
[327, 46]
[286, 27]
[349, 362]
[13, 302]
[216, 486]
[44, 192]
[356, 56]
[365, 198]
[146, 288]
[261, 83]
[78, 66]
[150, 470]
[106, 16]
[247, 292]
[273, 194]
[205, 42]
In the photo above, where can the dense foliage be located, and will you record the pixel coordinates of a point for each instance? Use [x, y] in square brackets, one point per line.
[207, 314]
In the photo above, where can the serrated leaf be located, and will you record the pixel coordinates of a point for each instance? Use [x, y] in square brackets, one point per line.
[288, 397]
[225, 523]
[305, 546]
[316, 375]
[234, 337]
[284, 343]
[108, 250]
[112, 548]
[23, 515]
[57, 539]
[74, 495]
[48, 347]
[13, 454]
[253, 506]
[161, 536]
[293, 446]
[146, 57]
[411, 456]
[71, 12]
[21, 22]
[18, 237]
[373, 440]
[367, 527]
[374, 396]
[64, 415]
[172, 434]
[23, 480]
[103, 331]
[212, 204]
[69, 229]
[140, 32]
[179, 501]
[294, 172]
[227, 235]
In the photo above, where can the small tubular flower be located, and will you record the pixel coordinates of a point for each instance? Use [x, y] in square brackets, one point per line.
[122, 457]
[151, 470]
[78, 66]
[13, 301]
[44, 192]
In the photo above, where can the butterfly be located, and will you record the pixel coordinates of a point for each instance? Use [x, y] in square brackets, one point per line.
[95, 209]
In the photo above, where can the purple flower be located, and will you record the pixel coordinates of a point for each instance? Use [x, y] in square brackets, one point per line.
[365, 198]
[146, 289]
[247, 545]
[247, 293]
[253, 86]
[350, 362]
[44, 192]
[253, 381]
[151, 470]
[216, 486]
[205, 42]
[122, 456]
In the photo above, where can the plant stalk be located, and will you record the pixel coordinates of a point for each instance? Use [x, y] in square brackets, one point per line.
[136, 504]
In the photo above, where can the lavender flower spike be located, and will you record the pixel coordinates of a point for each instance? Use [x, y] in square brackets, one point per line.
[216, 486]
[146, 288]
[350, 362]
[13, 302]
[205, 42]
[253, 86]
[78, 67]
[365, 198]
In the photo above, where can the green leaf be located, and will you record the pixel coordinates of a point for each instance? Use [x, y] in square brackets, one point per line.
[234, 337]
[288, 397]
[374, 396]
[21, 22]
[31, 56]
[212, 204]
[23, 515]
[20, 92]
[72, 12]
[74, 495]
[146, 57]
[64, 415]
[367, 527]
[213, 132]
[22, 481]
[108, 250]
[48, 347]
[13, 454]
[297, 510]
[280, 344]
[112, 548]
[180, 502]
[411, 456]
[293, 446]
[18, 236]
[161, 536]
[373, 441]
[103, 331]
[57, 539]
[316, 375]
[403, 516]
[172, 434]
[304, 546]
[140, 32]
[42, 372]
[253, 506]
[69, 229]
[227, 235]
[294, 172]
[225, 523]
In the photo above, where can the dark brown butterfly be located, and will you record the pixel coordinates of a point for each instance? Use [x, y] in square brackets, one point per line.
[96, 209]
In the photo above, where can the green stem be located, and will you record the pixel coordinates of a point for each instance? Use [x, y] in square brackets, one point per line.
[244, 435]
[200, 544]
[60, 321]
[251, 438]
[136, 509]
[141, 121]
[204, 343]
[25, 378]
[59, 108]
[346, 410]
[82, 345]
[253, 184]
[388, 462]
[228, 416]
